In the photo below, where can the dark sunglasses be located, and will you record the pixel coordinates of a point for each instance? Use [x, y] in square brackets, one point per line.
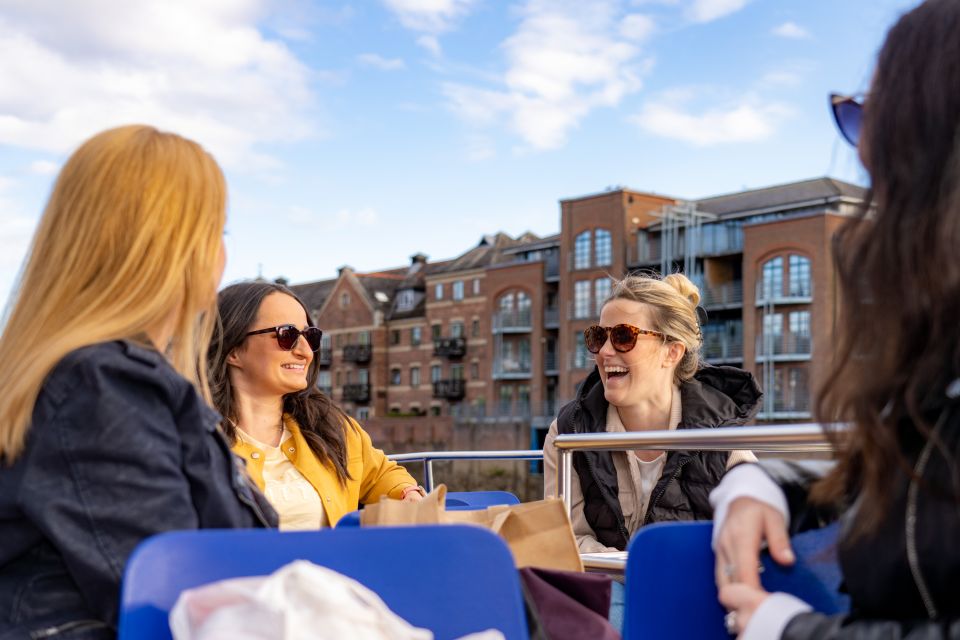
[623, 337]
[287, 336]
[847, 113]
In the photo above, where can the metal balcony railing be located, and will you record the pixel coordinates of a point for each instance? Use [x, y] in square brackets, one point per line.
[452, 389]
[726, 295]
[357, 353]
[722, 349]
[359, 393]
[551, 317]
[325, 357]
[514, 321]
[327, 391]
[504, 369]
[550, 364]
[551, 267]
[449, 347]
[796, 292]
[784, 346]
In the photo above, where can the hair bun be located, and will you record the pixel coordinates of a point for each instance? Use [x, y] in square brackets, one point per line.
[684, 287]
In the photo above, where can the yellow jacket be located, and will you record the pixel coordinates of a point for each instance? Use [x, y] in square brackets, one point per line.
[371, 474]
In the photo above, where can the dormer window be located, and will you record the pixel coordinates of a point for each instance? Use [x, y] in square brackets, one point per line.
[405, 300]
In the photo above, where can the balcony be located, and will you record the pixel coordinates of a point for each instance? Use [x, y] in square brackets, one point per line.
[357, 353]
[514, 321]
[582, 361]
[359, 393]
[583, 311]
[783, 348]
[644, 251]
[453, 389]
[325, 357]
[728, 295]
[774, 293]
[511, 369]
[327, 391]
[550, 365]
[551, 318]
[449, 347]
[723, 349]
[551, 268]
[796, 407]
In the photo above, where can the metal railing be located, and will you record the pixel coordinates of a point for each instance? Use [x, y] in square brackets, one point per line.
[450, 347]
[805, 438]
[427, 458]
[519, 320]
[723, 348]
[785, 344]
[728, 294]
[357, 353]
[551, 317]
[774, 291]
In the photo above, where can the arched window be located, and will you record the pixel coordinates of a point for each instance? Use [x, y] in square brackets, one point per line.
[602, 248]
[771, 283]
[581, 251]
[799, 276]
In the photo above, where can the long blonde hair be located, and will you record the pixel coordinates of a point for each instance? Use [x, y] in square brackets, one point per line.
[129, 241]
[673, 303]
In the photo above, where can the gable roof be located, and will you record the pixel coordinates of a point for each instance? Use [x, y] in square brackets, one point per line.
[781, 196]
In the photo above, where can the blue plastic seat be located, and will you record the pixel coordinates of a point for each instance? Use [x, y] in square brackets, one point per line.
[453, 580]
[671, 591]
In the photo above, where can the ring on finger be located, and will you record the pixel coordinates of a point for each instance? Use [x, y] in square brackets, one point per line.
[729, 570]
[730, 622]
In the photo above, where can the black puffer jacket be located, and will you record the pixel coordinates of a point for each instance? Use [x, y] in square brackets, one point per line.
[884, 584]
[715, 397]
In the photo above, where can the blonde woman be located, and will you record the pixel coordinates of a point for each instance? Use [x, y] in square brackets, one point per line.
[648, 377]
[106, 433]
[313, 462]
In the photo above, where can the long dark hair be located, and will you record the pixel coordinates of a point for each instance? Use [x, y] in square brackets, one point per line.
[897, 264]
[321, 422]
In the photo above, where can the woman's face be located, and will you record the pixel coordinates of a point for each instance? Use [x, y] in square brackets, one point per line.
[644, 370]
[259, 366]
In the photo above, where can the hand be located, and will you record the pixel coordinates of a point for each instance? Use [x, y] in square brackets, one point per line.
[743, 601]
[412, 496]
[748, 524]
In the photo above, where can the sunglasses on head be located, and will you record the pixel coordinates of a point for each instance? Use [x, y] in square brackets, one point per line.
[623, 337]
[847, 113]
[287, 336]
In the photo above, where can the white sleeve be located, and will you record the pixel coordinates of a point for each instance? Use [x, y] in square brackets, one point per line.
[745, 481]
[772, 616]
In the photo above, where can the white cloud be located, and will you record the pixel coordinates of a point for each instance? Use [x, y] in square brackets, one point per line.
[431, 44]
[344, 219]
[566, 59]
[710, 10]
[480, 148]
[781, 78]
[747, 119]
[790, 30]
[431, 16]
[202, 69]
[379, 62]
[44, 167]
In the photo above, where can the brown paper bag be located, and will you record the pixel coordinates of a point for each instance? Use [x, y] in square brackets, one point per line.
[538, 533]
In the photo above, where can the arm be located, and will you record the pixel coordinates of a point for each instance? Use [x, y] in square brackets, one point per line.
[381, 476]
[586, 539]
[807, 626]
[106, 473]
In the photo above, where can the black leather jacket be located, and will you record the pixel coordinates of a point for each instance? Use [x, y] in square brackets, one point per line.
[120, 447]
[882, 579]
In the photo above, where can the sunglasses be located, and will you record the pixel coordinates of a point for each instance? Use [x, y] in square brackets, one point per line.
[287, 336]
[623, 337]
[847, 113]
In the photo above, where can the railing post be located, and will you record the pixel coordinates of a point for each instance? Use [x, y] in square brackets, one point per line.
[428, 474]
[564, 471]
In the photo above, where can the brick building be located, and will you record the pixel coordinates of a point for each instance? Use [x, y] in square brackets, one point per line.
[497, 331]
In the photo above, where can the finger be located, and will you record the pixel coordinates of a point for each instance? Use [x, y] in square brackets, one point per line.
[734, 595]
[778, 542]
[746, 558]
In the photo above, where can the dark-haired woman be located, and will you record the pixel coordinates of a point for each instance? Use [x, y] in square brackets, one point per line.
[895, 378]
[311, 460]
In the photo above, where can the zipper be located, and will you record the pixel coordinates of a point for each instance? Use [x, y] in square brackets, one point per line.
[913, 558]
[76, 625]
[647, 519]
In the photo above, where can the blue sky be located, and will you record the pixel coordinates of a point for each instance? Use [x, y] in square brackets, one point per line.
[360, 133]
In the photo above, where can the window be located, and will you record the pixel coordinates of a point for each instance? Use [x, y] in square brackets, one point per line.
[581, 299]
[800, 331]
[349, 376]
[581, 251]
[363, 376]
[456, 329]
[772, 279]
[581, 357]
[338, 340]
[523, 399]
[602, 248]
[363, 413]
[395, 376]
[435, 331]
[771, 340]
[323, 379]
[456, 372]
[338, 378]
[344, 300]
[506, 302]
[799, 276]
[475, 328]
[415, 335]
[438, 291]
[435, 373]
[325, 342]
[395, 337]
[476, 286]
[773, 324]
[414, 377]
[406, 300]
[506, 399]
[458, 290]
[435, 410]
[474, 371]
[601, 289]
[363, 338]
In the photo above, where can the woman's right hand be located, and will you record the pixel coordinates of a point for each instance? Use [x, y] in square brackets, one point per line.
[748, 524]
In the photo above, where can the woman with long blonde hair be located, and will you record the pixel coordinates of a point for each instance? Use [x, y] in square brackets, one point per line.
[106, 433]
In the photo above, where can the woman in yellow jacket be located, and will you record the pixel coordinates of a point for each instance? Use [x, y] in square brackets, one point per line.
[312, 461]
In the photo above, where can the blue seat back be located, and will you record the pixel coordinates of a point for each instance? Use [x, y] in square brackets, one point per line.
[671, 592]
[451, 579]
[480, 498]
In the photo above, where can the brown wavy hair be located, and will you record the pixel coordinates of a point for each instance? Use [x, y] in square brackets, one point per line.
[899, 332]
[321, 422]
